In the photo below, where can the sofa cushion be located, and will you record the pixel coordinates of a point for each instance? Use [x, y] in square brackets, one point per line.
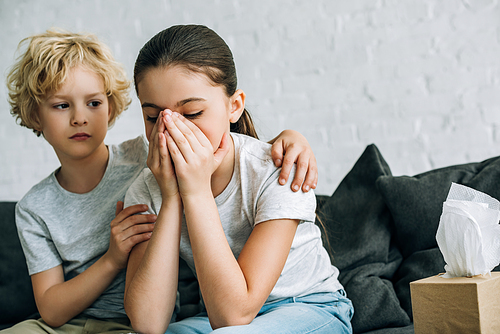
[419, 265]
[359, 229]
[16, 301]
[416, 204]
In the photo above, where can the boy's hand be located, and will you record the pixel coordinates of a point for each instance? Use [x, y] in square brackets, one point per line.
[295, 149]
[159, 160]
[127, 230]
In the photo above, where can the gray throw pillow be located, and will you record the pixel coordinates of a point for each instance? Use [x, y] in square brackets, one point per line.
[359, 229]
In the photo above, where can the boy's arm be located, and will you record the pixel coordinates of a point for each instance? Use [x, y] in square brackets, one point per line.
[291, 147]
[58, 301]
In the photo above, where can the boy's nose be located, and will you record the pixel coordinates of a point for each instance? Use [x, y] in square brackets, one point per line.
[79, 117]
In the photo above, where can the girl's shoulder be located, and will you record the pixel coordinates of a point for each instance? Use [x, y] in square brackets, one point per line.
[253, 160]
[133, 151]
[144, 190]
[144, 183]
[258, 178]
[252, 148]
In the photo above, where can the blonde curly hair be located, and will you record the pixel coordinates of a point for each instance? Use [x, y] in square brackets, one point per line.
[45, 64]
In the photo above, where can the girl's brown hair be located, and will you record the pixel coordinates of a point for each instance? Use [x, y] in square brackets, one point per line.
[199, 49]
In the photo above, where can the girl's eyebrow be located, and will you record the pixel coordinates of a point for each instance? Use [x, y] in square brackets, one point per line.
[178, 104]
[188, 100]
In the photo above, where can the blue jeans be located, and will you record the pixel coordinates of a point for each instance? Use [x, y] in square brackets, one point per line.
[316, 313]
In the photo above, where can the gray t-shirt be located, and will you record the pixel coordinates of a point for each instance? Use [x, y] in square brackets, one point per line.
[254, 196]
[58, 227]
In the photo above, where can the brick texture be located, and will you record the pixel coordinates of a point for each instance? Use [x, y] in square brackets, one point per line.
[419, 78]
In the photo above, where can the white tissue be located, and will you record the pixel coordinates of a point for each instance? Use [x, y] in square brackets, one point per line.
[469, 234]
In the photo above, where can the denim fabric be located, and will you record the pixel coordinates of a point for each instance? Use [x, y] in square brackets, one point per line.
[316, 313]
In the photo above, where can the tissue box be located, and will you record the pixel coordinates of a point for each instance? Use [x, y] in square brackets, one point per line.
[456, 305]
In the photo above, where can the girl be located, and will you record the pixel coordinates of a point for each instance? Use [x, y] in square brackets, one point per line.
[76, 238]
[253, 245]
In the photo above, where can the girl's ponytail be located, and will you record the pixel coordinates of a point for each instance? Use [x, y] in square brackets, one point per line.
[244, 125]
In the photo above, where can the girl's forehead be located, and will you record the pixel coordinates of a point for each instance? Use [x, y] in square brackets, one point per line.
[176, 82]
[180, 72]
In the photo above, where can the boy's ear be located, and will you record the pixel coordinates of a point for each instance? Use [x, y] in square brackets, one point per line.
[237, 104]
[37, 123]
[37, 126]
[110, 110]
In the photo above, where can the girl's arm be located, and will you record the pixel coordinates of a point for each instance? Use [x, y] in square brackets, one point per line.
[152, 272]
[59, 301]
[291, 147]
[233, 290]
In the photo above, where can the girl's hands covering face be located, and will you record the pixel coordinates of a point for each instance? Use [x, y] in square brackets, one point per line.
[192, 153]
[159, 159]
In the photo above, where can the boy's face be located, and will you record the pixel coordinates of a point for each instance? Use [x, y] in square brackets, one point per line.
[74, 119]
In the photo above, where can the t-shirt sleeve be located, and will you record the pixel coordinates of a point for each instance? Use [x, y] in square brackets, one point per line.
[277, 201]
[139, 192]
[40, 252]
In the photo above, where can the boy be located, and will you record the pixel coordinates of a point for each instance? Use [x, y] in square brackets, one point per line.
[69, 88]
[75, 260]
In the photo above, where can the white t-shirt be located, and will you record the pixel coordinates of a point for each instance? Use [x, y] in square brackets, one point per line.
[58, 227]
[254, 196]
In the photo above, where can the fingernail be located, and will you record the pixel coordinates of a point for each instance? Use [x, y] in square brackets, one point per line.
[176, 114]
[168, 118]
[168, 111]
[295, 187]
[306, 188]
[282, 181]
[278, 162]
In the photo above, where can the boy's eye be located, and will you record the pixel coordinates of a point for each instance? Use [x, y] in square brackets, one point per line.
[94, 104]
[151, 119]
[62, 106]
[193, 116]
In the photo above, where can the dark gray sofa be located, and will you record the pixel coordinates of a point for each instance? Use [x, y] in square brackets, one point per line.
[381, 230]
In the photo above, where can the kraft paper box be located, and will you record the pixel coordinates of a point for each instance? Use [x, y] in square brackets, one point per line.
[456, 305]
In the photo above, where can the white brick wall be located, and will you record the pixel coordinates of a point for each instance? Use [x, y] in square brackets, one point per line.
[419, 78]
